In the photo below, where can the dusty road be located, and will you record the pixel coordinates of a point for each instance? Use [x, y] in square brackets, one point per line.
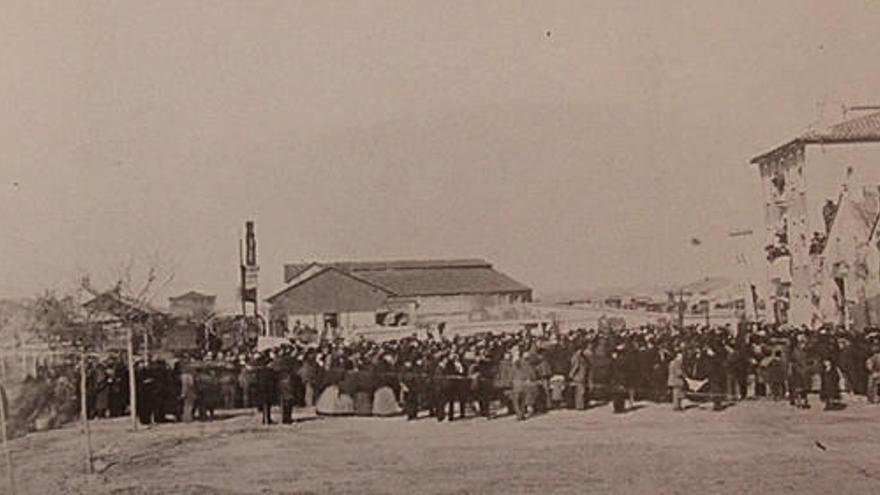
[754, 447]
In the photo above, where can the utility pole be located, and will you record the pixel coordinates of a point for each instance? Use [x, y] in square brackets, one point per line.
[241, 275]
[681, 307]
[708, 308]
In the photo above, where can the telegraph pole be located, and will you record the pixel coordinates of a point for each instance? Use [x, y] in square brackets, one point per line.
[681, 307]
[241, 275]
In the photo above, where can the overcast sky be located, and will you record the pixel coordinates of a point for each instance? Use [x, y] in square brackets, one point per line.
[574, 144]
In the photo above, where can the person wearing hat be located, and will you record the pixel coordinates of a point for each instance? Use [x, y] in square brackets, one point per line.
[800, 374]
[266, 388]
[480, 374]
[579, 374]
[617, 380]
[524, 378]
[308, 374]
[411, 388]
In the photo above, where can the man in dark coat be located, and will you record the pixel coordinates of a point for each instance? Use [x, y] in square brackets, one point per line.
[210, 394]
[101, 395]
[480, 374]
[287, 386]
[617, 379]
[148, 393]
[412, 389]
[830, 391]
[543, 399]
[117, 387]
[632, 372]
[265, 390]
[715, 359]
[800, 374]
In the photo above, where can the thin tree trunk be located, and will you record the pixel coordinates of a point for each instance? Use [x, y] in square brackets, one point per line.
[10, 473]
[132, 383]
[84, 414]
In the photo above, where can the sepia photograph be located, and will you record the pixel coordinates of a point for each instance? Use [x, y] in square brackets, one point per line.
[439, 247]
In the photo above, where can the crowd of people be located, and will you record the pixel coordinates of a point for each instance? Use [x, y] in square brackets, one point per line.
[521, 373]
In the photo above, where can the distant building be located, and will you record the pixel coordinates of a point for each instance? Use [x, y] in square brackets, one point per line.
[192, 305]
[117, 313]
[819, 267]
[388, 293]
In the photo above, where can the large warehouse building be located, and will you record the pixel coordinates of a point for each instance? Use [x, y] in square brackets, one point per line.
[391, 293]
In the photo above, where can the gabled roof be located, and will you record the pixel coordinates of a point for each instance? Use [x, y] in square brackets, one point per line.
[862, 129]
[357, 266]
[406, 278]
[443, 281]
[114, 303]
[291, 271]
[323, 270]
[192, 295]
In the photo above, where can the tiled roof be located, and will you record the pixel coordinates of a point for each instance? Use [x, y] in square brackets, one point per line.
[422, 277]
[192, 295]
[442, 281]
[292, 270]
[862, 129]
[357, 266]
[112, 302]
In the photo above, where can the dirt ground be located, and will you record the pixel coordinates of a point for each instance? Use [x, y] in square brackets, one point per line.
[754, 447]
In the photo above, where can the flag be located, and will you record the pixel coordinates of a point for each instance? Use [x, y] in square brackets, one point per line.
[695, 385]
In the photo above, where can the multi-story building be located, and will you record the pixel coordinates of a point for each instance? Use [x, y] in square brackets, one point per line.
[805, 182]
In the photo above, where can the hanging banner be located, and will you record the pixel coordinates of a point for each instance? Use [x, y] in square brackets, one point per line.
[251, 275]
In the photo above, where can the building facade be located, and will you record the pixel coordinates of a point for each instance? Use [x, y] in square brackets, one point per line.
[350, 295]
[807, 182]
[192, 305]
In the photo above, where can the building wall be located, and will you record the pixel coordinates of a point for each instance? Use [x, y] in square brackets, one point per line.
[785, 209]
[812, 173]
[857, 166]
[192, 307]
[828, 171]
[328, 292]
[347, 319]
[459, 307]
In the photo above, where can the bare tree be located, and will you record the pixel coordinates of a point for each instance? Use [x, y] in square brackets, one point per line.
[129, 300]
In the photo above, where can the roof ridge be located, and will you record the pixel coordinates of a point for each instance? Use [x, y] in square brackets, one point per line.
[863, 128]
